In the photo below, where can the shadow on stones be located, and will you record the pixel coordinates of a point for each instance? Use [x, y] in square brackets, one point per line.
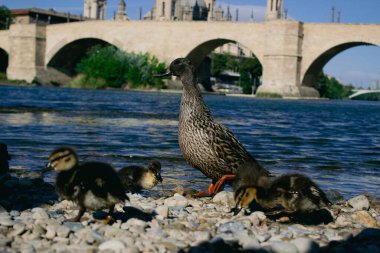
[218, 245]
[23, 193]
[129, 213]
[368, 240]
[321, 216]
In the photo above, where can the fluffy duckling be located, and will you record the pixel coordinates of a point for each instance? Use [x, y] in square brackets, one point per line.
[135, 178]
[205, 144]
[295, 193]
[91, 185]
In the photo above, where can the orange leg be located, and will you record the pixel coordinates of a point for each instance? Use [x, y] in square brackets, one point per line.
[221, 182]
[214, 188]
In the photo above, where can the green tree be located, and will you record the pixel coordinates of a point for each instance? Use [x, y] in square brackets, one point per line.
[329, 87]
[249, 69]
[5, 17]
[109, 66]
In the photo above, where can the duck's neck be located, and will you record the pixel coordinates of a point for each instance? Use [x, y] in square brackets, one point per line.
[192, 102]
[65, 179]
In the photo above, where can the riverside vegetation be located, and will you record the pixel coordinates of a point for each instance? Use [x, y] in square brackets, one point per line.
[110, 67]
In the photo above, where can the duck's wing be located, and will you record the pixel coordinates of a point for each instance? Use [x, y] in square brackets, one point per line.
[101, 179]
[129, 177]
[228, 149]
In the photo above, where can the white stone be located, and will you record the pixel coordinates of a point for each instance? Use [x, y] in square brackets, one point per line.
[39, 213]
[202, 236]
[112, 245]
[305, 245]
[50, 232]
[7, 222]
[177, 200]
[162, 211]
[359, 203]
[225, 198]
[283, 247]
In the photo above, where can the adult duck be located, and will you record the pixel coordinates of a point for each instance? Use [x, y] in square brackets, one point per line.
[205, 144]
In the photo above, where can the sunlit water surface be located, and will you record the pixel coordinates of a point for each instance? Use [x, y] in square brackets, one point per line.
[336, 143]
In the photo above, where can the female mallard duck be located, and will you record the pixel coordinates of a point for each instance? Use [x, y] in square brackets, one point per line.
[135, 178]
[295, 193]
[91, 185]
[206, 145]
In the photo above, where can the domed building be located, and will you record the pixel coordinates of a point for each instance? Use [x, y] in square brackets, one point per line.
[186, 10]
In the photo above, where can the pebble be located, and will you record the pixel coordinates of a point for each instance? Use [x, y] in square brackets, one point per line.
[224, 198]
[358, 203]
[181, 224]
[177, 200]
[7, 222]
[305, 245]
[231, 227]
[283, 247]
[112, 245]
[264, 237]
[162, 211]
[39, 213]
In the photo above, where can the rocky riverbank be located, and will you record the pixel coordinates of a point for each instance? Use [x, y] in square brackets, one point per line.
[33, 220]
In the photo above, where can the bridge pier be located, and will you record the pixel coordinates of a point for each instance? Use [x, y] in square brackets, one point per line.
[282, 60]
[27, 51]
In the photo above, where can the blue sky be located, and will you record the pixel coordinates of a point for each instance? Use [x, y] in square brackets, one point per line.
[359, 66]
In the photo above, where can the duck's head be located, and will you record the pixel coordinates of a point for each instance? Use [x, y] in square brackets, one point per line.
[179, 67]
[152, 176]
[155, 168]
[62, 159]
[244, 196]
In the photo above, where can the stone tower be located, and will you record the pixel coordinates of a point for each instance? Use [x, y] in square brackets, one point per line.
[164, 9]
[95, 9]
[210, 7]
[121, 14]
[274, 9]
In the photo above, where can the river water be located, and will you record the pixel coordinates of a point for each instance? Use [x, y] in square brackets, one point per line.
[336, 143]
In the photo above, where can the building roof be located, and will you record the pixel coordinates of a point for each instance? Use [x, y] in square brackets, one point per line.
[50, 12]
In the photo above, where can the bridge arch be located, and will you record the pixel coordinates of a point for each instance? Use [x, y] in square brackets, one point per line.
[65, 56]
[4, 59]
[310, 77]
[198, 53]
[199, 57]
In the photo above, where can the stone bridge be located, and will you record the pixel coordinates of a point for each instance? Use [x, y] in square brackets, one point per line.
[292, 53]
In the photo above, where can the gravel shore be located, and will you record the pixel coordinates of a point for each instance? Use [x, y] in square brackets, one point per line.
[32, 219]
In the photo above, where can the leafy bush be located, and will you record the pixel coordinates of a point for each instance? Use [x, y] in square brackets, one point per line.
[329, 87]
[111, 67]
[3, 76]
[5, 17]
[248, 68]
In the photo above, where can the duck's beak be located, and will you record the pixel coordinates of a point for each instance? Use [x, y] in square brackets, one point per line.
[167, 73]
[47, 168]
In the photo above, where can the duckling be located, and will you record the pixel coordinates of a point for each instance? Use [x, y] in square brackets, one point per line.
[205, 144]
[295, 193]
[135, 178]
[91, 185]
